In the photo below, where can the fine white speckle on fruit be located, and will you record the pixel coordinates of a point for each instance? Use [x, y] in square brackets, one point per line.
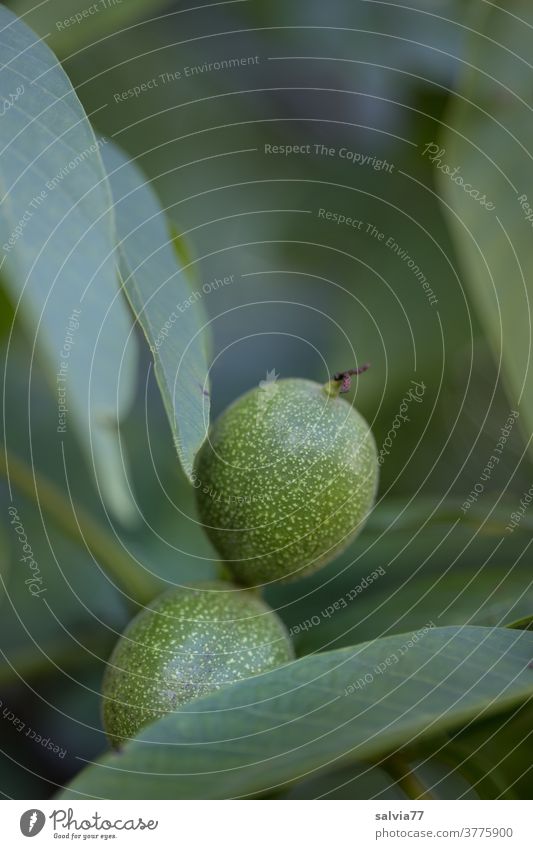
[187, 643]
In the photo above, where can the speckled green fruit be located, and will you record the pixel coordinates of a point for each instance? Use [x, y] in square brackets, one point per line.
[285, 480]
[187, 643]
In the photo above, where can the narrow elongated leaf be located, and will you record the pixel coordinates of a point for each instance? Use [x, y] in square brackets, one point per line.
[57, 235]
[494, 755]
[484, 166]
[324, 710]
[165, 302]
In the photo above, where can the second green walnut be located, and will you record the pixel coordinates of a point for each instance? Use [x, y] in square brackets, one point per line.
[286, 479]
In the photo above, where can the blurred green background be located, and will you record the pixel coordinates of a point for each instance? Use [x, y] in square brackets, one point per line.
[307, 297]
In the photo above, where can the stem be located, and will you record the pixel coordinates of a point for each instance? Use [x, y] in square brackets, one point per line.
[402, 775]
[342, 381]
[138, 585]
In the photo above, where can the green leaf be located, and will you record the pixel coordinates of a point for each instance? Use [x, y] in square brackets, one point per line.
[494, 755]
[78, 593]
[487, 137]
[274, 729]
[57, 234]
[371, 781]
[169, 545]
[77, 613]
[357, 781]
[165, 304]
[4, 562]
[69, 24]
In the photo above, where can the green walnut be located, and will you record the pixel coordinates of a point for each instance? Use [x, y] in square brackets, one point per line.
[286, 479]
[188, 642]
